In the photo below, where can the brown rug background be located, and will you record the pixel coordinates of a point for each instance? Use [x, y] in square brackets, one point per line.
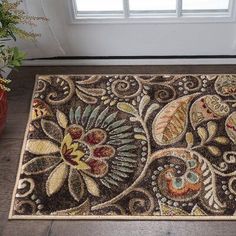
[184, 97]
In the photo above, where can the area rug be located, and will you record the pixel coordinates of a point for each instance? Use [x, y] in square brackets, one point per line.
[129, 147]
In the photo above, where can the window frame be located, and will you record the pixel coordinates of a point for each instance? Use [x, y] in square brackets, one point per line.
[176, 17]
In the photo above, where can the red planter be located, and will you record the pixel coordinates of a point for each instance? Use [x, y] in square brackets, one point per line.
[3, 109]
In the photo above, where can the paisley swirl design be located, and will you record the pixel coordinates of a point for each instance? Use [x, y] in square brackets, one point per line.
[40, 88]
[164, 93]
[230, 126]
[225, 85]
[129, 145]
[127, 87]
[191, 84]
[21, 206]
[141, 205]
[124, 88]
[232, 185]
[40, 109]
[23, 184]
[197, 180]
[209, 107]
[63, 90]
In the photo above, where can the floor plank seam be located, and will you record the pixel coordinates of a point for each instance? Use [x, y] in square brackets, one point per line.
[50, 228]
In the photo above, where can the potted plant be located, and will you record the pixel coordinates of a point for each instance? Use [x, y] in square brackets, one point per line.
[11, 57]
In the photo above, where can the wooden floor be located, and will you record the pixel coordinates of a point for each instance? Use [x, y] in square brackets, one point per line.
[10, 147]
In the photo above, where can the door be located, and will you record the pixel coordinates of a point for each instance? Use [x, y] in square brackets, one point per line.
[134, 27]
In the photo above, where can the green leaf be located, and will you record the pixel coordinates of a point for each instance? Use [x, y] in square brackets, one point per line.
[189, 139]
[202, 134]
[126, 107]
[214, 150]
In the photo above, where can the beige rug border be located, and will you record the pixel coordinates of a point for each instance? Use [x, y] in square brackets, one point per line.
[100, 217]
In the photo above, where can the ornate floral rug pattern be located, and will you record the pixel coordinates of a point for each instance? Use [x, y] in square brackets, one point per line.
[129, 146]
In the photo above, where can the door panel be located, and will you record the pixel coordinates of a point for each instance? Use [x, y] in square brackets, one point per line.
[60, 37]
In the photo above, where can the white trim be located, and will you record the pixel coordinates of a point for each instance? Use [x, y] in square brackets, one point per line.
[178, 17]
[99, 62]
[126, 8]
[179, 8]
[232, 9]
[72, 10]
[159, 20]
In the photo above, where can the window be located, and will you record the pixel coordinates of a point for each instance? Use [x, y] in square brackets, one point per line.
[131, 10]
[152, 5]
[206, 5]
[99, 5]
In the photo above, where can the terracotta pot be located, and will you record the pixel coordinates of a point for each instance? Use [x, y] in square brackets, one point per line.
[3, 109]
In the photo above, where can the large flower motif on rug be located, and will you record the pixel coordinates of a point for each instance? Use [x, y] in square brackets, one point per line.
[129, 146]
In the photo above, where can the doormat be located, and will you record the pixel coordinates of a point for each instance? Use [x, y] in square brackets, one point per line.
[129, 147]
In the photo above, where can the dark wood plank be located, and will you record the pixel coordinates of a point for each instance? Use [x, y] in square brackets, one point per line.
[141, 228]
[10, 147]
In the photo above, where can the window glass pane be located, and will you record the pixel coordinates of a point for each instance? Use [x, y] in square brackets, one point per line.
[144, 5]
[99, 5]
[205, 4]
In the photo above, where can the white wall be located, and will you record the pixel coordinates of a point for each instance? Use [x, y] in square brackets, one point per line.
[62, 38]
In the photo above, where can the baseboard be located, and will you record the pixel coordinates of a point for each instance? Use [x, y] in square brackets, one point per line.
[98, 62]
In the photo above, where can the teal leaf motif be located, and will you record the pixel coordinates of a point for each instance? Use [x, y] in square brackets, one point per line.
[86, 114]
[92, 117]
[78, 114]
[101, 117]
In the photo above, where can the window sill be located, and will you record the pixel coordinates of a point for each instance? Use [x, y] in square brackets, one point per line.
[151, 19]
